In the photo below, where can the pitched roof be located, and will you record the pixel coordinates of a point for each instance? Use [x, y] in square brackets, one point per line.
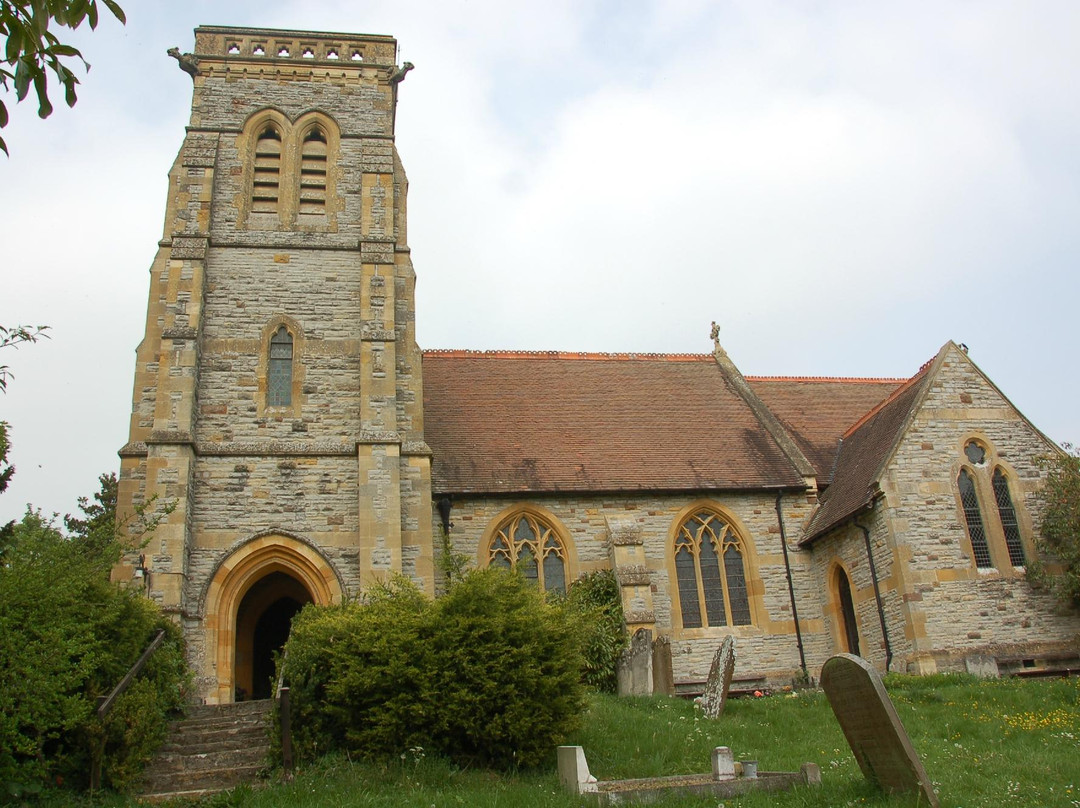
[817, 411]
[504, 422]
[864, 449]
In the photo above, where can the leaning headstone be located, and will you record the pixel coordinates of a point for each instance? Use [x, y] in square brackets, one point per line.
[634, 671]
[716, 688]
[662, 670]
[873, 730]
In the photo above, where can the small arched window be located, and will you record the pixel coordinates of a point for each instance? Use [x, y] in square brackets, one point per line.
[1009, 524]
[279, 371]
[710, 573]
[529, 544]
[969, 498]
[266, 180]
[313, 173]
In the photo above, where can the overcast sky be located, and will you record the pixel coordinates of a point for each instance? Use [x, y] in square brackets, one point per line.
[843, 186]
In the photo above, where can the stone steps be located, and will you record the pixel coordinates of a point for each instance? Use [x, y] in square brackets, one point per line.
[213, 749]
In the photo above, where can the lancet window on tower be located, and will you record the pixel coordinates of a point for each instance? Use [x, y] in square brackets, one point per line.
[279, 371]
[313, 156]
[529, 544]
[266, 181]
[709, 572]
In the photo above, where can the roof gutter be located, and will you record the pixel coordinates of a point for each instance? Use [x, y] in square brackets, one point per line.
[791, 586]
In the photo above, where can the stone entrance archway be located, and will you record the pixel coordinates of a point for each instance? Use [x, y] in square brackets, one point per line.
[262, 626]
[251, 599]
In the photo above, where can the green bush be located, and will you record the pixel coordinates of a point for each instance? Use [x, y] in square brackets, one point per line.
[594, 598]
[354, 671]
[507, 671]
[67, 636]
[488, 674]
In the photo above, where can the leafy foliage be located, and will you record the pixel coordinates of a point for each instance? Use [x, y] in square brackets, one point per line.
[596, 601]
[67, 636]
[32, 51]
[488, 674]
[12, 337]
[1059, 537]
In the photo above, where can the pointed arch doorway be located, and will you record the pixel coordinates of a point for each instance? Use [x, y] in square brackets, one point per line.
[263, 619]
[848, 621]
[250, 602]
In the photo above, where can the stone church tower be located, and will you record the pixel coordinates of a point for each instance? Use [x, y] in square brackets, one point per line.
[278, 391]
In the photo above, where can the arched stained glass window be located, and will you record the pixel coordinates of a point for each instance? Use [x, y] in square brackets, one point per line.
[279, 370]
[1009, 524]
[528, 543]
[973, 516]
[266, 181]
[710, 572]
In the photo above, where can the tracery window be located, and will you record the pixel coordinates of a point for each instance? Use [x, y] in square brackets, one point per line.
[279, 371]
[1009, 524]
[995, 543]
[710, 572]
[969, 498]
[266, 181]
[313, 156]
[528, 543]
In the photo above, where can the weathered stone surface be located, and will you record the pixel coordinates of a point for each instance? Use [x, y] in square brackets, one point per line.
[663, 675]
[873, 729]
[719, 682]
[635, 676]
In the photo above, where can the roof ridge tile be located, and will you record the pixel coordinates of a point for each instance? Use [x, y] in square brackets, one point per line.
[467, 353]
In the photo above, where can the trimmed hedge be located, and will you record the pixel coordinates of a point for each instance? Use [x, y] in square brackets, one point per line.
[489, 674]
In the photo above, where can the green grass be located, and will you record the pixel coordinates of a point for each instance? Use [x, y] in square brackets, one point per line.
[982, 743]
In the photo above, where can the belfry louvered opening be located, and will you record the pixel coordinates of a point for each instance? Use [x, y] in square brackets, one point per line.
[266, 182]
[313, 157]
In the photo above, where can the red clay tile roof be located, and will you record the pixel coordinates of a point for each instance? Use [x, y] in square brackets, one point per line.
[817, 411]
[863, 450]
[504, 422]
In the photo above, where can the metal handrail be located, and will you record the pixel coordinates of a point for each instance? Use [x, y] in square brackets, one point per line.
[105, 703]
[285, 715]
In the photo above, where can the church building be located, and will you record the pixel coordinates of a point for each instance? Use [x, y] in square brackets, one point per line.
[308, 446]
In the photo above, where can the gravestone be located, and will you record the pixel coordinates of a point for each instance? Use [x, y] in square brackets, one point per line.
[634, 671]
[663, 673]
[872, 727]
[716, 688]
[985, 667]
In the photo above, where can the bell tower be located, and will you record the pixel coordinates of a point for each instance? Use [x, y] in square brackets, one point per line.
[278, 395]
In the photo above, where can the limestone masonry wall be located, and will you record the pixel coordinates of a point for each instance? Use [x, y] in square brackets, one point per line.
[766, 649]
[956, 609]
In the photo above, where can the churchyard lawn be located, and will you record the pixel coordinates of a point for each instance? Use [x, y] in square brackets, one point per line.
[992, 743]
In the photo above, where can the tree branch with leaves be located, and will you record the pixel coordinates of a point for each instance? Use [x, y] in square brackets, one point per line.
[32, 51]
[1058, 543]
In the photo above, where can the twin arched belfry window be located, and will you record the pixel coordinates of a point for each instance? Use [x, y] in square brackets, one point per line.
[975, 476]
[290, 177]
